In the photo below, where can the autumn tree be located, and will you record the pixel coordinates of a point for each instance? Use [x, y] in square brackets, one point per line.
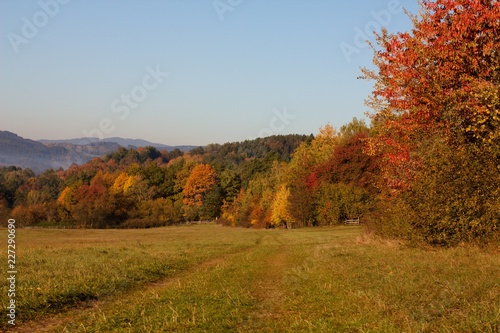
[200, 185]
[437, 96]
[280, 209]
[344, 186]
[442, 78]
[348, 163]
[148, 153]
[184, 166]
[122, 183]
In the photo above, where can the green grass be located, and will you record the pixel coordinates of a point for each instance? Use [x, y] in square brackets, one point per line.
[207, 278]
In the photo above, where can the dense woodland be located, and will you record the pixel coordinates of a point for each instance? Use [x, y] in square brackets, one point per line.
[142, 187]
[427, 167]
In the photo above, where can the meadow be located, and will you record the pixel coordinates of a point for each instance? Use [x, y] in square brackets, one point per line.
[209, 278]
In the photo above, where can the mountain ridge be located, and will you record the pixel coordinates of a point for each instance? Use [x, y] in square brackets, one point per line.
[124, 142]
[42, 155]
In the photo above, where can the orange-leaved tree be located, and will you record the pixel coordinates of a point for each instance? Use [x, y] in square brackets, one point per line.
[200, 187]
[200, 181]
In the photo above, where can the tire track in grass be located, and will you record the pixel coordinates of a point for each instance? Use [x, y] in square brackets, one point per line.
[269, 288]
[58, 322]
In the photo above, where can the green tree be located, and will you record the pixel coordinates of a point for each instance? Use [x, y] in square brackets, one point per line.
[230, 183]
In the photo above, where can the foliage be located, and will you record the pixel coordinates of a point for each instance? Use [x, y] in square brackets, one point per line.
[201, 180]
[443, 78]
[11, 180]
[457, 198]
[35, 213]
[94, 205]
[300, 174]
[280, 209]
[145, 187]
[436, 121]
[154, 213]
[326, 174]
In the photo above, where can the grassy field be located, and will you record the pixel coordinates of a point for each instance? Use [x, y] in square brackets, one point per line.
[207, 278]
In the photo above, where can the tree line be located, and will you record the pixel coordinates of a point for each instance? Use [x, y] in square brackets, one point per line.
[426, 168]
[141, 187]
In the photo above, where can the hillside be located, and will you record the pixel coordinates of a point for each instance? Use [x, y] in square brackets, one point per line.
[26, 153]
[54, 154]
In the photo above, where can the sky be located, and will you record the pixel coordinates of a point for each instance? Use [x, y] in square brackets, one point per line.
[187, 72]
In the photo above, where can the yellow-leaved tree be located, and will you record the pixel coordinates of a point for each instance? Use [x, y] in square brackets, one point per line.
[280, 208]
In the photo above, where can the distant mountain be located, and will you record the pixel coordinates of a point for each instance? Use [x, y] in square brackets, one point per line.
[26, 153]
[127, 143]
[46, 154]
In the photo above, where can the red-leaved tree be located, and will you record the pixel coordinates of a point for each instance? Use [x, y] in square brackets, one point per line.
[436, 116]
[442, 78]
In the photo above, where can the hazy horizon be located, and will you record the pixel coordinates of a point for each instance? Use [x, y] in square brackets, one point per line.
[134, 139]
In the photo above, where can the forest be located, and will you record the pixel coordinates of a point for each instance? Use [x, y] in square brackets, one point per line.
[426, 168]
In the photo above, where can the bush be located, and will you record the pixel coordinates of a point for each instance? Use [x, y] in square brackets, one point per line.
[391, 218]
[455, 199]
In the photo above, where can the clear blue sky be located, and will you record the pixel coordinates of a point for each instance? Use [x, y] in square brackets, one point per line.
[236, 69]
